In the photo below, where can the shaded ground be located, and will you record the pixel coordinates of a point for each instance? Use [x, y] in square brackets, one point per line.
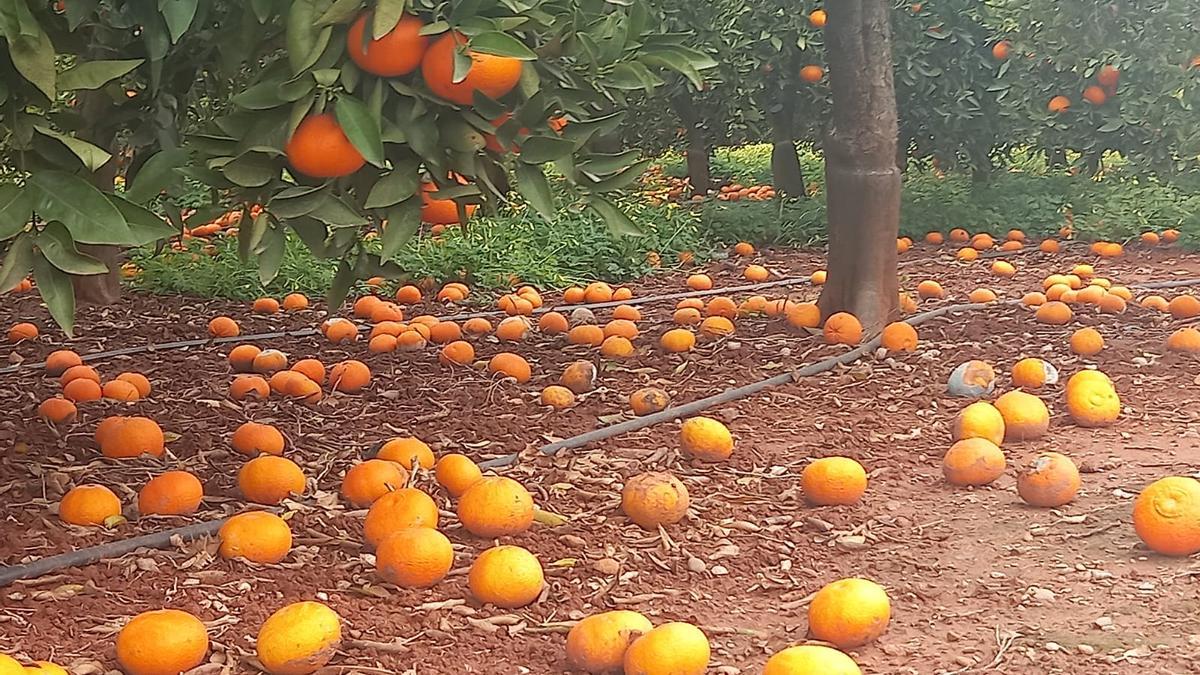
[979, 582]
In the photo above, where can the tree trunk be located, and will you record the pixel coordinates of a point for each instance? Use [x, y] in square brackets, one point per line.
[862, 178]
[99, 289]
[699, 148]
[786, 172]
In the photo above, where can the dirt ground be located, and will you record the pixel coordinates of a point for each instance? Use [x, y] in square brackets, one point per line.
[979, 582]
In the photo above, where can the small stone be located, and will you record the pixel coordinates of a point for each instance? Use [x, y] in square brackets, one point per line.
[1086, 649]
[719, 570]
[1053, 647]
[572, 540]
[696, 565]
[1103, 622]
[1042, 594]
[733, 345]
[607, 566]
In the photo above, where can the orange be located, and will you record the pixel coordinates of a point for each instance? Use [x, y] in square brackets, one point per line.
[627, 312]
[1002, 268]
[598, 292]
[89, 505]
[1001, 49]
[586, 335]
[57, 410]
[982, 241]
[1033, 299]
[811, 660]
[654, 499]
[1121, 292]
[558, 397]
[257, 536]
[139, 382]
[269, 479]
[266, 306]
[1170, 236]
[843, 328]
[1094, 95]
[699, 282]
[597, 644]
[1056, 293]
[903, 244]
[973, 461]
[490, 75]
[340, 330]
[678, 340]
[721, 306]
[382, 344]
[131, 437]
[319, 148]
[298, 639]
[982, 295]
[414, 557]
[705, 438]
[849, 613]
[967, 254]
[1058, 104]
[82, 390]
[1025, 416]
[21, 332]
[512, 365]
[241, 358]
[716, 326]
[496, 506]
[1110, 250]
[930, 289]
[1032, 373]
[349, 376]
[1092, 402]
[674, 648]
[756, 273]
[507, 577]
[295, 302]
[59, 361]
[690, 303]
[435, 211]
[248, 387]
[1048, 246]
[119, 390]
[1087, 342]
[959, 235]
[397, 53]
[1184, 307]
[818, 278]
[687, 316]
[811, 74]
[979, 420]
[408, 295]
[458, 353]
[899, 337]
[223, 327]
[367, 481]
[817, 18]
[407, 451]
[649, 400]
[617, 347]
[804, 315]
[1049, 481]
[1054, 313]
[269, 361]
[621, 328]
[907, 304]
[579, 377]
[1155, 302]
[934, 238]
[1166, 516]
[161, 641]
[444, 332]
[457, 473]
[174, 493]
[833, 481]
[574, 295]
[397, 510]
[476, 326]
[1185, 340]
[1090, 295]
[551, 323]
[743, 248]
[1012, 245]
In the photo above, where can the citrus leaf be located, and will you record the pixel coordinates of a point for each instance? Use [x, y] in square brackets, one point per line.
[250, 169]
[92, 157]
[156, 174]
[361, 127]
[542, 149]
[55, 288]
[296, 201]
[17, 263]
[34, 59]
[16, 208]
[533, 186]
[178, 15]
[54, 241]
[387, 15]
[262, 96]
[145, 227]
[336, 213]
[95, 74]
[340, 11]
[392, 189]
[270, 254]
[74, 202]
[340, 286]
[618, 222]
[78, 11]
[403, 221]
[502, 44]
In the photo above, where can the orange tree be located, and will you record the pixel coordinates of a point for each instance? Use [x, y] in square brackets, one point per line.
[379, 116]
[91, 92]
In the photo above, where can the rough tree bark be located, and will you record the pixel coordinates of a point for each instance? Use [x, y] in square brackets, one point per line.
[786, 172]
[99, 289]
[862, 179]
[699, 147]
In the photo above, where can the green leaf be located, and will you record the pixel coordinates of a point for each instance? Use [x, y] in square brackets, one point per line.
[17, 263]
[403, 221]
[1114, 125]
[145, 226]
[542, 149]
[95, 74]
[86, 211]
[387, 15]
[250, 232]
[156, 174]
[502, 44]
[603, 164]
[262, 96]
[361, 127]
[178, 15]
[78, 11]
[54, 241]
[336, 213]
[270, 254]
[262, 9]
[298, 201]
[393, 188]
[250, 169]
[618, 222]
[55, 288]
[92, 157]
[34, 59]
[341, 11]
[16, 208]
[301, 34]
[533, 186]
[313, 233]
[340, 286]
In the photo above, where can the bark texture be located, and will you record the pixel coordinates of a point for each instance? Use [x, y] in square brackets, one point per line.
[862, 179]
[99, 289]
[699, 146]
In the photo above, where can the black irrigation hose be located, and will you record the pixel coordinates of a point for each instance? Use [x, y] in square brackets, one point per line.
[116, 549]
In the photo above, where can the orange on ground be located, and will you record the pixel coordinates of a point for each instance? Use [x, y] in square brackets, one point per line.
[687, 316]
[1048, 246]
[444, 332]
[298, 639]
[903, 244]
[1092, 402]
[294, 302]
[1170, 236]
[1054, 313]
[743, 248]
[59, 361]
[131, 437]
[458, 353]
[223, 327]
[649, 400]
[269, 479]
[849, 613]
[269, 361]
[654, 499]
[1033, 299]
[457, 473]
[982, 295]
[257, 536]
[1087, 342]
[512, 365]
[397, 510]
[1049, 481]
[349, 376]
[1155, 302]
[574, 295]
[756, 273]
[407, 451]
[979, 420]
[930, 289]
[1184, 307]
[973, 461]
[1003, 268]
[934, 238]
[721, 305]
[339, 330]
[982, 241]
[506, 576]
[241, 358]
[579, 377]
[396, 53]
[496, 506]
[1032, 373]
[89, 505]
[899, 337]
[557, 397]
[1166, 516]
[804, 315]
[161, 641]
[367, 481]
[82, 390]
[967, 254]
[246, 387]
[716, 326]
[843, 328]
[699, 282]
[1058, 104]
[119, 390]
[79, 372]
[139, 381]
[706, 439]
[490, 75]
[621, 328]
[597, 292]
[57, 410]
[818, 278]
[21, 332]
[617, 347]
[833, 481]
[959, 235]
[1025, 416]
[674, 648]
[265, 306]
[811, 660]
[1184, 340]
[678, 340]
[414, 557]
[476, 326]
[550, 323]
[382, 344]
[597, 644]
[586, 335]
[173, 493]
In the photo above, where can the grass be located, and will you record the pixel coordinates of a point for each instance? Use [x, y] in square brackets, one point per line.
[495, 252]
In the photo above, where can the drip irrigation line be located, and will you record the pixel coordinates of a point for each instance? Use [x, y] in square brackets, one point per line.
[117, 549]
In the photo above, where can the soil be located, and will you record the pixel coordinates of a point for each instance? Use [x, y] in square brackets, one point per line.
[978, 581]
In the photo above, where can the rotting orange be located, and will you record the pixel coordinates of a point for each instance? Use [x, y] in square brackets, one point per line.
[674, 648]
[907, 304]
[833, 481]
[579, 377]
[89, 505]
[597, 644]
[506, 576]
[1166, 516]
[811, 660]
[258, 536]
[397, 510]
[1049, 481]
[1032, 373]
[1025, 415]
[349, 376]
[973, 461]
[1092, 402]
[557, 397]
[496, 506]
[849, 613]
[298, 639]
[899, 337]
[249, 387]
[173, 493]
[843, 328]
[407, 451]
[270, 479]
[339, 331]
[488, 75]
[648, 400]
[161, 641]
[269, 361]
[654, 499]
[457, 473]
[253, 439]
[414, 557]
[705, 438]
